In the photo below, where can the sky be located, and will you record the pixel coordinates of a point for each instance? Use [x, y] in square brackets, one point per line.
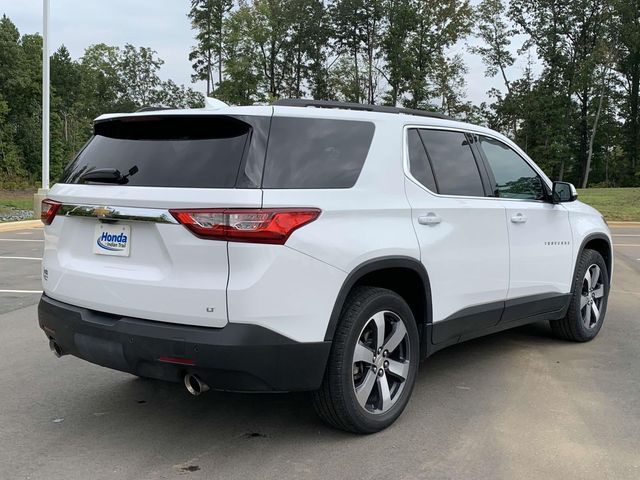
[163, 26]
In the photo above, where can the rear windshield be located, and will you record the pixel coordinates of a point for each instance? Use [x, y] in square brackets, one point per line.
[166, 151]
[316, 153]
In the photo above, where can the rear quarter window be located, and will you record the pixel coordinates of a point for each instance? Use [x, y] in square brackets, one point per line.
[316, 153]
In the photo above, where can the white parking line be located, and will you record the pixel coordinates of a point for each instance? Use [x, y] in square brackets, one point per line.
[19, 240]
[20, 291]
[20, 258]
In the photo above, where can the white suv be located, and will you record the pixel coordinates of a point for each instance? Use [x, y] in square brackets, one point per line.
[309, 245]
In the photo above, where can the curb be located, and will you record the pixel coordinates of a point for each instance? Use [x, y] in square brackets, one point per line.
[23, 225]
[624, 224]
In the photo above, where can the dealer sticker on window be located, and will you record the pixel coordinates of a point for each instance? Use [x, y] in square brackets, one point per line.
[112, 239]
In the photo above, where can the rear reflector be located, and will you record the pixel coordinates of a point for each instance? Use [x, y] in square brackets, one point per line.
[49, 210]
[178, 361]
[273, 226]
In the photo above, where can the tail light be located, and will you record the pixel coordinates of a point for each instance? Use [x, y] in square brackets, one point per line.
[49, 209]
[272, 226]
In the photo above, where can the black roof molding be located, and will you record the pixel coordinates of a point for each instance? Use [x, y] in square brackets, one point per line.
[303, 102]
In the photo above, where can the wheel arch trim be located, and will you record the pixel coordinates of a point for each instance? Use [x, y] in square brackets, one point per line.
[373, 265]
[588, 238]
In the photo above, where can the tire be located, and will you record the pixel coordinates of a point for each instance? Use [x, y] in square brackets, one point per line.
[336, 402]
[588, 305]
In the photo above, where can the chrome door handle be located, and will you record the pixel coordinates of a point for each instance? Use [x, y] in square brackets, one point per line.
[429, 219]
[519, 218]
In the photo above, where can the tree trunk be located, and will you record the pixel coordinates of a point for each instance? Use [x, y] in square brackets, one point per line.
[584, 132]
[355, 60]
[298, 73]
[220, 61]
[634, 133]
[208, 74]
[370, 48]
[370, 74]
[272, 69]
[585, 176]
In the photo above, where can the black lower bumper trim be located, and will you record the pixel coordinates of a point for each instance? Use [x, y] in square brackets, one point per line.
[238, 357]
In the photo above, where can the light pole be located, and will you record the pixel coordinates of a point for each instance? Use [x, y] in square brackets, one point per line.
[42, 192]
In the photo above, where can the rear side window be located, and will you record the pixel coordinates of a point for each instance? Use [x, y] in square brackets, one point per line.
[316, 153]
[453, 163]
[166, 151]
[419, 162]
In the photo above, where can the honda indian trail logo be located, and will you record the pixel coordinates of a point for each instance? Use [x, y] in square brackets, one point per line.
[113, 242]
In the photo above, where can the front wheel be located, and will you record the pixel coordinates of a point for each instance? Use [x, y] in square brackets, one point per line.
[373, 363]
[588, 301]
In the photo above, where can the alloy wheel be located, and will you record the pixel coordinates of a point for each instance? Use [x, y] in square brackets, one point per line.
[381, 362]
[592, 296]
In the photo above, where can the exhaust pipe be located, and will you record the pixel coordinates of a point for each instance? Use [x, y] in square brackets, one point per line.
[194, 385]
[55, 348]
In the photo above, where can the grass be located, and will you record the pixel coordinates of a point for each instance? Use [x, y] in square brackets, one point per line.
[621, 204]
[15, 200]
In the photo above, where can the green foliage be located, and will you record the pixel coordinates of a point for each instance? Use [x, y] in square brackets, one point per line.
[106, 79]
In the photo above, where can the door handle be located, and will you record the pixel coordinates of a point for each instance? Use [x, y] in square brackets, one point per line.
[429, 219]
[519, 218]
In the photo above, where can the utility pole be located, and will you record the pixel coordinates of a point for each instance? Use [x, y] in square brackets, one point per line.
[44, 190]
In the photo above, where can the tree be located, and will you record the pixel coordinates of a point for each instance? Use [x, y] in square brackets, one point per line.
[449, 84]
[309, 33]
[401, 20]
[569, 37]
[243, 74]
[439, 25]
[10, 157]
[349, 25]
[172, 95]
[269, 29]
[495, 35]
[138, 75]
[64, 83]
[626, 32]
[208, 19]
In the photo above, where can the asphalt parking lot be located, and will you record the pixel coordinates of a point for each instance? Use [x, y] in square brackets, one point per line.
[514, 405]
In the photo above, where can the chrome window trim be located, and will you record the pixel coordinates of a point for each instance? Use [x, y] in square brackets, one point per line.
[407, 167]
[106, 212]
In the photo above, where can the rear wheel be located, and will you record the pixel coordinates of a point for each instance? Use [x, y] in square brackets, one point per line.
[373, 363]
[588, 302]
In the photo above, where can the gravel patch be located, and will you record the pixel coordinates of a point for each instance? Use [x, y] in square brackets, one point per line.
[14, 215]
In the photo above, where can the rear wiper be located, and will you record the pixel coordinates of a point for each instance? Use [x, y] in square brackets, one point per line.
[108, 175]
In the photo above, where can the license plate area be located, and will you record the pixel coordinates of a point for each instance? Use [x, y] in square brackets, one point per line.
[112, 239]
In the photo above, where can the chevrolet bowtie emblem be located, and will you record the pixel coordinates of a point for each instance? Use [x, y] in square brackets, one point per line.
[102, 212]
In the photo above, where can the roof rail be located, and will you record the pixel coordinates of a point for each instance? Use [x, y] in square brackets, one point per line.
[152, 109]
[303, 102]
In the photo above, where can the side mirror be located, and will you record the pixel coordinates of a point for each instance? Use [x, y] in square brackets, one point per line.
[564, 192]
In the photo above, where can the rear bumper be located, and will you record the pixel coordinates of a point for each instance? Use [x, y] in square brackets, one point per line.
[238, 357]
